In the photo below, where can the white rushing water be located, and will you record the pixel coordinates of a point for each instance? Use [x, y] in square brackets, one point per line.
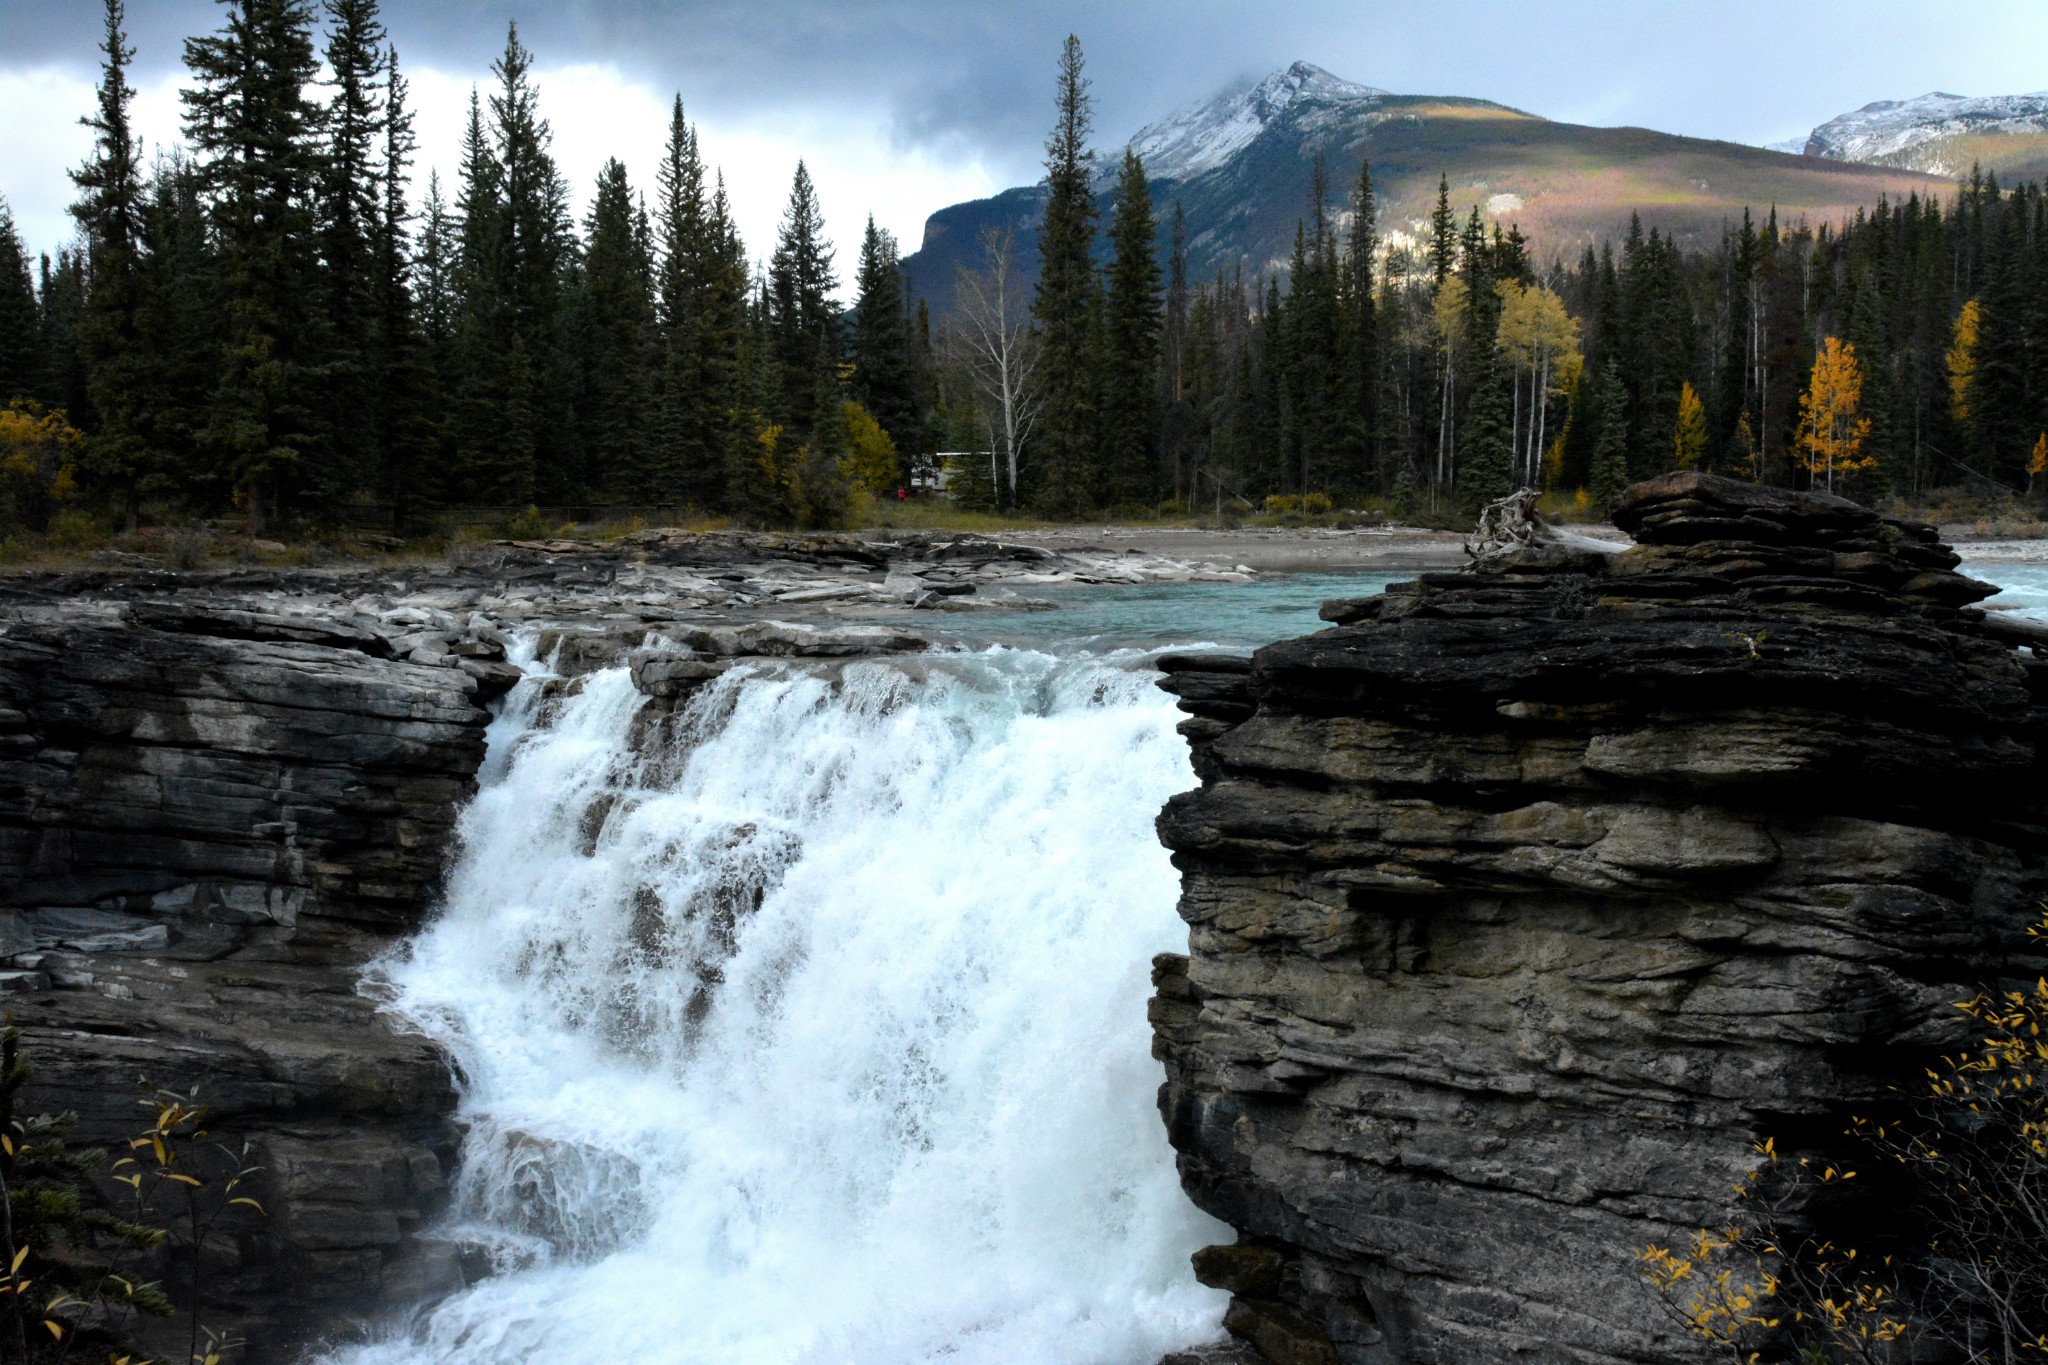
[818, 1033]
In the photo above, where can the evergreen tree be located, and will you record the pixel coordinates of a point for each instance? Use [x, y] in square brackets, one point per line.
[619, 354]
[178, 331]
[402, 363]
[693, 396]
[1443, 233]
[1065, 302]
[1131, 336]
[1610, 447]
[251, 121]
[20, 361]
[1361, 327]
[109, 214]
[352, 209]
[513, 440]
[883, 378]
[803, 325]
[1486, 467]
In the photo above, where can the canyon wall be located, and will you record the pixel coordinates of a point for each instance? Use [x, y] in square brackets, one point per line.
[211, 817]
[1524, 900]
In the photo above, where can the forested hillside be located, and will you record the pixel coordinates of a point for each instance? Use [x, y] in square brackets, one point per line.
[263, 325]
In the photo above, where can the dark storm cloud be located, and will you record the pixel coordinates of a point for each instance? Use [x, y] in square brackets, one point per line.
[944, 74]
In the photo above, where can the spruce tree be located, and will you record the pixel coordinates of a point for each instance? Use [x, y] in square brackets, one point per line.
[1610, 447]
[352, 208]
[109, 213]
[1131, 333]
[692, 398]
[1486, 463]
[1178, 432]
[402, 365]
[1065, 303]
[619, 356]
[533, 254]
[179, 332]
[20, 363]
[880, 344]
[250, 119]
[1361, 326]
[1443, 233]
[803, 325]
[60, 304]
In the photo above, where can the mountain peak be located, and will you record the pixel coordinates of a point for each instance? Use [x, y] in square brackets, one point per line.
[1203, 137]
[1916, 132]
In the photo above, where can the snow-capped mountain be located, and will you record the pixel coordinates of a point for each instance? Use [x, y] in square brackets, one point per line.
[1238, 168]
[1198, 139]
[1925, 133]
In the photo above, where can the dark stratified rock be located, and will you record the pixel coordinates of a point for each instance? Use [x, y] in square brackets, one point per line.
[1526, 899]
[211, 817]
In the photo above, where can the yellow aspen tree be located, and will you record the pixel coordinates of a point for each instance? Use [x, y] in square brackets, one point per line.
[1962, 360]
[2037, 463]
[1831, 435]
[1689, 437]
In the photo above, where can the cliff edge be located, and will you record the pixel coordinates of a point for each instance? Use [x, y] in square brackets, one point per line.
[1525, 899]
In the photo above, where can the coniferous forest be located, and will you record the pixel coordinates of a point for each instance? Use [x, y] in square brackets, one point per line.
[275, 321]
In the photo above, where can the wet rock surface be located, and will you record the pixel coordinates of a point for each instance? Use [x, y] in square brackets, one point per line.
[1525, 899]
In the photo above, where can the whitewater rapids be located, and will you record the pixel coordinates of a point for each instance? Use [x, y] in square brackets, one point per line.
[815, 1031]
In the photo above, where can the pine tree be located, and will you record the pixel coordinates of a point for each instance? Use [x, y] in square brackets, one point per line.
[1361, 327]
[20, 362]
[179, 333]
[513, 439]
[803, 325]
[1443, 233]
[402, 363]
[250, 119]
[1065, 303]
[534, 252]
[1610, 446]
[619, 356]
[880, 344]
[109, 214]
[691, 451]
[352, 208]
[1130, 389]
[1486, 469]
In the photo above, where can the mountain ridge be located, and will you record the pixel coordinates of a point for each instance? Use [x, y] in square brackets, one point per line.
[1240, 165]
[1942, 134]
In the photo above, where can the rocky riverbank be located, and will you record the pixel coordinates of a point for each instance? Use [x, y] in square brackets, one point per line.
[221, 795]
[1526, 899]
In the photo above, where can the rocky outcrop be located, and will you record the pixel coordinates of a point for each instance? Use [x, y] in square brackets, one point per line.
[210, 818]
[1525, 899]
[223, 796]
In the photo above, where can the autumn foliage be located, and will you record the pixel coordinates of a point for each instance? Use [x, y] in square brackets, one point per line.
[1831, 434]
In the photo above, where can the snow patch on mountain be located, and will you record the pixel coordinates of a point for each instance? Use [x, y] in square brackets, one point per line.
[1890, 130]
[1206, 136]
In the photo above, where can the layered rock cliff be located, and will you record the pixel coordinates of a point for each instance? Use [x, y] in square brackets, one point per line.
[210, 819]
[1526, 898]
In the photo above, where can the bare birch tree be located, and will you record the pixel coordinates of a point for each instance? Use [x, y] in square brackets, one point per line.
[996, 343]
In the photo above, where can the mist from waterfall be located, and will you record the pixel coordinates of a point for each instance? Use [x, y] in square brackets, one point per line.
[811, 1026]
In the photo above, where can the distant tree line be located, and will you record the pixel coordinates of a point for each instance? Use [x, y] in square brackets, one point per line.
[261, 321]
[1904, 351]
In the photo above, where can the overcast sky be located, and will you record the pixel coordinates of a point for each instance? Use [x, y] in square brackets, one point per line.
[904, 106]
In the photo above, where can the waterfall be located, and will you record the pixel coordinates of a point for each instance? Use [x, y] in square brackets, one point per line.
[810, 1025]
